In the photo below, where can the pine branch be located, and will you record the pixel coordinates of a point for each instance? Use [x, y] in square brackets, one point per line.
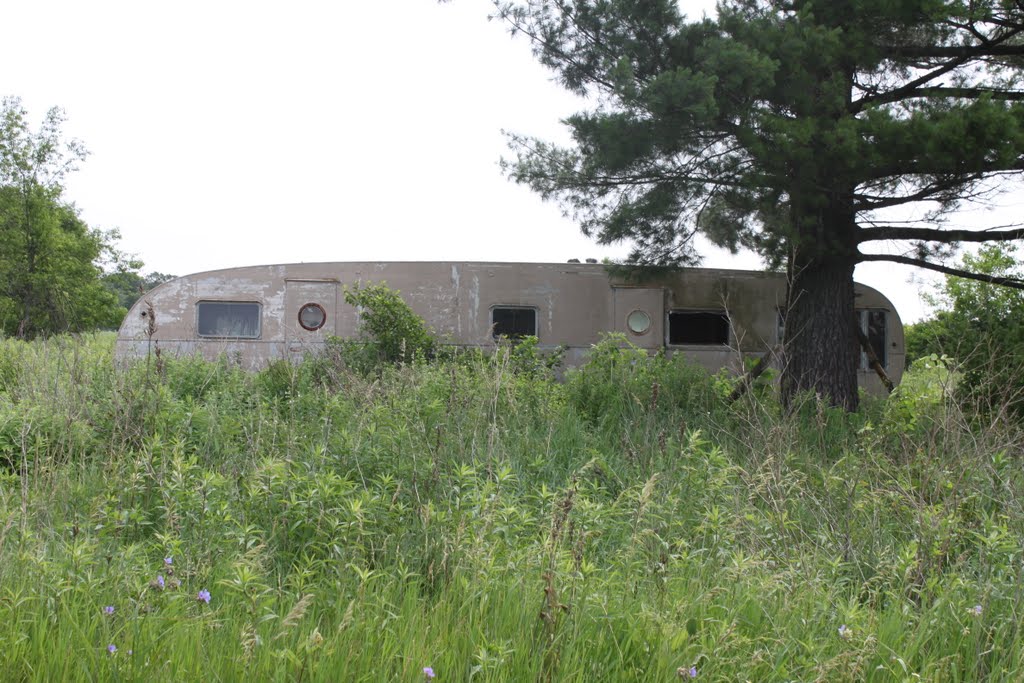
[1003, 43]
[1013, 283]
[940, 91]
[891, 232]
[936, 190]
[927, 167]
[908, 90]
[955, 51]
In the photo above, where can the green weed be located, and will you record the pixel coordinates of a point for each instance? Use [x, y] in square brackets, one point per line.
[478, 517]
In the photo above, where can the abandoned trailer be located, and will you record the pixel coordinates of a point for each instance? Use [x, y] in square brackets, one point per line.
[713, 317]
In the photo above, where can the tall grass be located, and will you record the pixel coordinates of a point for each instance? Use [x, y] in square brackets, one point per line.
[477, 517]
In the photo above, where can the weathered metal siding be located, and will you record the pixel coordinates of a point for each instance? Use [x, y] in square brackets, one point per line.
[576, 303]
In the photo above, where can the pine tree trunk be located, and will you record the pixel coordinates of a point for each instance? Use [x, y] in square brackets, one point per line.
[821, 352]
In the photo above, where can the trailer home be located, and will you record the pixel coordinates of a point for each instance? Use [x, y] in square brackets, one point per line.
[714, 317]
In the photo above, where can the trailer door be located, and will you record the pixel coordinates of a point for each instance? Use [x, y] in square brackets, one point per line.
[311, 313]
[639, 313]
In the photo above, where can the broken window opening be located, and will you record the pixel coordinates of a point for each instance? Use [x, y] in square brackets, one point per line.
[873, 323]
[513, 322]
[237, 319]
[698, 327]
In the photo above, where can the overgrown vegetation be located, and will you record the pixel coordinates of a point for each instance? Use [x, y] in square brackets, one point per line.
[979, 328]
[183, 520]
[389, 331]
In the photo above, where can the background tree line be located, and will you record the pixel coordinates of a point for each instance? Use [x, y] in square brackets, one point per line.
[977, 329]
[57, 274]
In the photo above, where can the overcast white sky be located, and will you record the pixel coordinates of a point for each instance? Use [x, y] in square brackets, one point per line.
[234, 133]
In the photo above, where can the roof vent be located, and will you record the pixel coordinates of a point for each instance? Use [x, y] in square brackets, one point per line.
[591, 260]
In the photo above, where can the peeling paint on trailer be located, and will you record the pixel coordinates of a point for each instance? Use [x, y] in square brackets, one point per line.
[287, 310]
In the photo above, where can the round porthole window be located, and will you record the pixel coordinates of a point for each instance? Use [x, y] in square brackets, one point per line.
[312, 317]
[638, 322]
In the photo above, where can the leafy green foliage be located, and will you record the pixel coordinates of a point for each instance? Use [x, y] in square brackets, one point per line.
[981, 326]
[528, 359]
[50, 260]
[128, 284]
[390, 332]
[492, 524]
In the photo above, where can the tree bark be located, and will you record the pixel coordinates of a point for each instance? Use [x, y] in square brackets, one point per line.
[821, 350]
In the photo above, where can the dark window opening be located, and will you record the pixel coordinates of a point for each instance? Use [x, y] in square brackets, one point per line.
[513, 322]
[872, 323]
[698, 327]
[228, 319]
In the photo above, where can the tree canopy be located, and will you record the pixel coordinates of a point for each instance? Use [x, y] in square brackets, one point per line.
[50, 260]
[806, 131]
[979, 326]
[128, 284]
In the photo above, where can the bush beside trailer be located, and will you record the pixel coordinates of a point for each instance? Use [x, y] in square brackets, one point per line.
[713, 317]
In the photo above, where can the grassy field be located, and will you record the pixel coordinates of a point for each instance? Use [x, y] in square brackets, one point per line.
[474, 520]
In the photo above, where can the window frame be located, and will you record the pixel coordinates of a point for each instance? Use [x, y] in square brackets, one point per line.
[323, 313]
[864, 322]
[519, 307]
[724, 314]
[259, 318]
[646, 330]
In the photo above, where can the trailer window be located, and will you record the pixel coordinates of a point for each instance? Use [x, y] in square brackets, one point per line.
[698, 327]
[312, 317]
[513, 322]
[638, 322]
[238, 319]
[872, 324]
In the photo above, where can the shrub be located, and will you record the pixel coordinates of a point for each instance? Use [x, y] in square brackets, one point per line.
[980, 326]
[389, 331]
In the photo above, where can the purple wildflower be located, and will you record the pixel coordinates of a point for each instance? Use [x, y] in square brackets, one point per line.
[428, 672]
[108, 610]
[683, 672]
[160, 581]
[168, 561]
[976, 610]
[844, 632]
[204, 596]
[111, 648]
[692, 672]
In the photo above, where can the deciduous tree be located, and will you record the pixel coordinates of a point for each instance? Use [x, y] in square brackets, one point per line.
[981, 327]
[128, 284]
[49, 258]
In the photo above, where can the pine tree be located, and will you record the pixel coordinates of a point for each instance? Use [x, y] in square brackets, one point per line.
[793, 128]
